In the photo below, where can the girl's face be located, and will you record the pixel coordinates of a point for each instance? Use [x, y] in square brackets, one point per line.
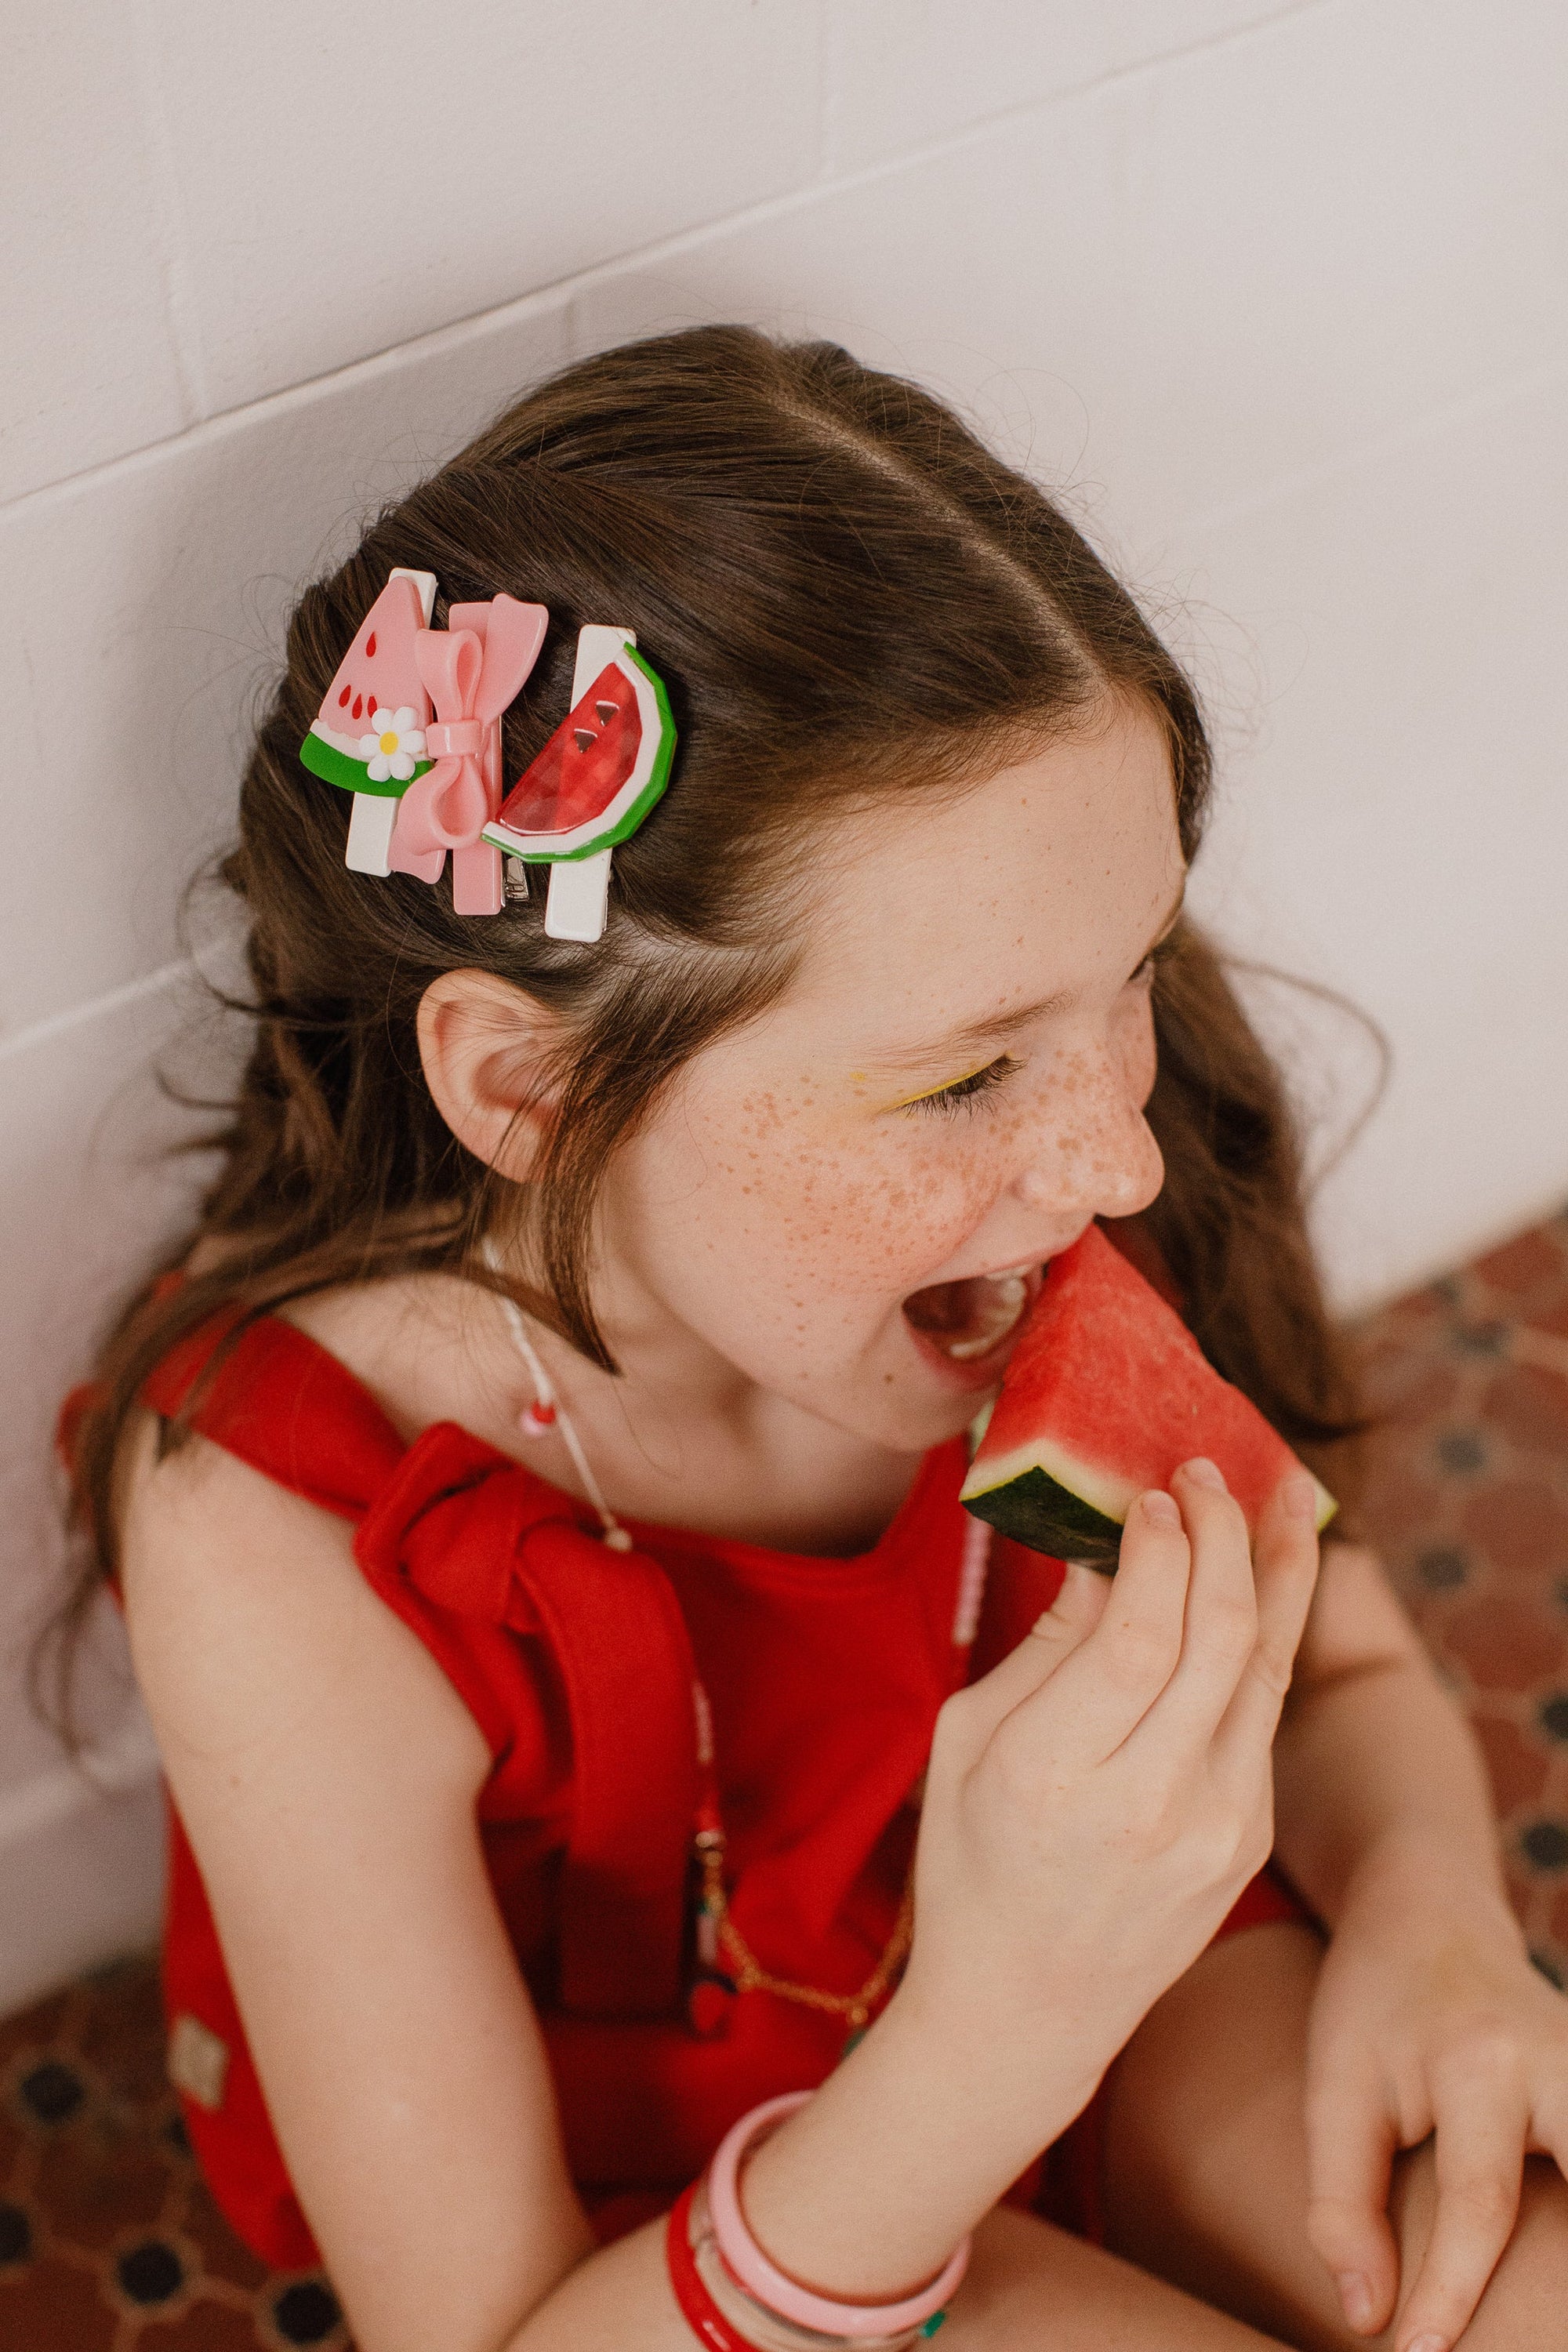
[846, 1203]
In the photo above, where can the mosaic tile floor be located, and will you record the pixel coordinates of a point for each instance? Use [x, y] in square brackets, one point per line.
[110, 2244]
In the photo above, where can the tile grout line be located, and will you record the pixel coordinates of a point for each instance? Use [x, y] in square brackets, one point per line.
[59, 1025]
[564, 291]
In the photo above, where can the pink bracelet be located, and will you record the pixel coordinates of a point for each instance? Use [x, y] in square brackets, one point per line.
[751, 2269]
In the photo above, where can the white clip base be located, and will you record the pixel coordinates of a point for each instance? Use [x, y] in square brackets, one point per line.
[578, 902]
[369, 849]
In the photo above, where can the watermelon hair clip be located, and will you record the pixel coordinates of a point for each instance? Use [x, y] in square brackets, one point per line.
[593, 783]
[411, 726]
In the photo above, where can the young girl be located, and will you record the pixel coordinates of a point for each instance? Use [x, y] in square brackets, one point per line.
[533, 1488]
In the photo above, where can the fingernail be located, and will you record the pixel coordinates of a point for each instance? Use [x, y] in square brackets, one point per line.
[1355, 2293]
[1205, 1473]
[1428, 2343]
[1300, 1495]
[1160, 1507]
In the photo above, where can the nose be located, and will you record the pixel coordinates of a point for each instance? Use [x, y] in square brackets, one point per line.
[1091, 1152]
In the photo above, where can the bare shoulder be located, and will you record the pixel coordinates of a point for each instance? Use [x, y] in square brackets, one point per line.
[251, 1626]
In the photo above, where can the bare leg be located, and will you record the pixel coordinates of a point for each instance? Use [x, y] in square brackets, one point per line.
[1207, 2163]
[1033, 2288]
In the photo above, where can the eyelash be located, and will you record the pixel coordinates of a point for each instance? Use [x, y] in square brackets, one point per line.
[948, 1100]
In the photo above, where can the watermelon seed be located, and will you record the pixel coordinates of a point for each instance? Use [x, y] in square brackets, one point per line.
[359, 705]
[370, 647]
[585, 738]
[606, 710]
[345, 696]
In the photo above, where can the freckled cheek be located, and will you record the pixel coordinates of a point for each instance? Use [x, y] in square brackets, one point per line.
[869, 1219]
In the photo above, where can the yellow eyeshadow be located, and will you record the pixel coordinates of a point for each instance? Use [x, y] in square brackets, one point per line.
[928, 1091]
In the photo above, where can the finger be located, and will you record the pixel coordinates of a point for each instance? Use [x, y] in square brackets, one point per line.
[1054, 1636]
[1221, 1618]
[1351, 2140]
[1481, 2124]
[1285, 1559]
[1115, 1677]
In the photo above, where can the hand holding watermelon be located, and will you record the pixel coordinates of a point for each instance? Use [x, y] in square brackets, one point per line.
[1096, 1802]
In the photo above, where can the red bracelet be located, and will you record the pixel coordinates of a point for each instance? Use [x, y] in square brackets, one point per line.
[702, 2314]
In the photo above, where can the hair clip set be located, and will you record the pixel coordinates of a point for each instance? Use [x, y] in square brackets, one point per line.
[411, 727]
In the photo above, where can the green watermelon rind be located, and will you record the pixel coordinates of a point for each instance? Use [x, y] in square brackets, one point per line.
[1099, 1491]
[335, 767]
[632, 815]
[1038, 1510]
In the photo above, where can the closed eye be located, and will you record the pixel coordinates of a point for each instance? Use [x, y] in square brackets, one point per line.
[950, 1098]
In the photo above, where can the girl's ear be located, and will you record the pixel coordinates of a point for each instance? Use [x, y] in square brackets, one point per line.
[486, 1048]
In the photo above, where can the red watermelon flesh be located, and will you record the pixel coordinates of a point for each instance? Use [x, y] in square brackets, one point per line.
[584, 764]
[1106, 1394]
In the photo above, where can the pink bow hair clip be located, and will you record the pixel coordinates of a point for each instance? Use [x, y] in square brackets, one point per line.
[411, 726]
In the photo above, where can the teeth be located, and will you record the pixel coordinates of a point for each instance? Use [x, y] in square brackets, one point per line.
[967, 1317]
[1002, 1311]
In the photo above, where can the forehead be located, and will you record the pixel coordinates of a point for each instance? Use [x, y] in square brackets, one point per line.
[1048, 878]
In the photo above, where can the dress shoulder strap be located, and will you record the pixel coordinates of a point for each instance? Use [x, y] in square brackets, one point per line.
[472, 1551]
[267, 1393]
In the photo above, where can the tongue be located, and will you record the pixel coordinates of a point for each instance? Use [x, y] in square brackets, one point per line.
[968, 1318]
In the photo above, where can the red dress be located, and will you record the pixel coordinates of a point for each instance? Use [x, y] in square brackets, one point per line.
[578, 1663]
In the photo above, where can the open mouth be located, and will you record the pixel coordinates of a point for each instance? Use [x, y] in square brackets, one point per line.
[968, 1321]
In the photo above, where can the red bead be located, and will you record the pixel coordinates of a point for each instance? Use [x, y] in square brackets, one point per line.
[543, 1413]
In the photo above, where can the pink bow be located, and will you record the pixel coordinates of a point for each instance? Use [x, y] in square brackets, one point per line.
[472, 670]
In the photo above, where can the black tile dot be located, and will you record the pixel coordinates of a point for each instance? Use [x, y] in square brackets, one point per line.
[150, 2272]
[52, 2092]
[16, 2235]
[1546, 1843]
[1549, 1970]
[1554, 1716]
[1462, 1451]
[1442, 1567]
[306, 2312]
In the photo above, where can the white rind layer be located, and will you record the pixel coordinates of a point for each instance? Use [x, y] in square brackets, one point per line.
[1102, 1490]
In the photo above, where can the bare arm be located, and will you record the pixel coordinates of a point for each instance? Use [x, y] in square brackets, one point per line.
[1373, 1761]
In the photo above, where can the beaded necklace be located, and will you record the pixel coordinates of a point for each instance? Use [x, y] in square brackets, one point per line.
[726, 1966]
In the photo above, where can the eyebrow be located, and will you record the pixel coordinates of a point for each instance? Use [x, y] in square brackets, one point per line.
[997, 1027]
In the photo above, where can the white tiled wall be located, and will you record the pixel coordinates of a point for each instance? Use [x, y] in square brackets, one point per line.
[1273, 287]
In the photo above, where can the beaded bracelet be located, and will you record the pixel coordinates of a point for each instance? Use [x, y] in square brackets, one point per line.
[773, 2289]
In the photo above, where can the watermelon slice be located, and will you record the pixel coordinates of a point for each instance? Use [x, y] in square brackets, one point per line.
[600, 773]
[1107, 1393]
[368, 736]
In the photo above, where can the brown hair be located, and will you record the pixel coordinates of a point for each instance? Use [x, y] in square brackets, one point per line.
[847, 596]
